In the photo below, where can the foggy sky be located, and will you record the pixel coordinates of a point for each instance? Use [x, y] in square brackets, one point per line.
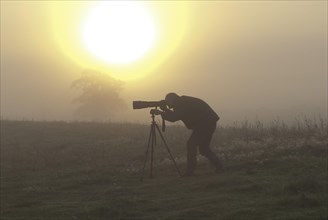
[246, 59]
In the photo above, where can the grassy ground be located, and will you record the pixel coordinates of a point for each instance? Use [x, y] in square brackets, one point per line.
[58, 170]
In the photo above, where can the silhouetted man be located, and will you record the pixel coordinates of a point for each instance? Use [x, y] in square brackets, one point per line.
[198, 116]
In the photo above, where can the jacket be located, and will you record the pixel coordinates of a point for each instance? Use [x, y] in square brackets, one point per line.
[194, 112]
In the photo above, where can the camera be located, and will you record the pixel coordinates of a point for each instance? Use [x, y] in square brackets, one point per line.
[149, 104]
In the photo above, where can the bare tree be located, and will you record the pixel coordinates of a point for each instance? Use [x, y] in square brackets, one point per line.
[100, 96]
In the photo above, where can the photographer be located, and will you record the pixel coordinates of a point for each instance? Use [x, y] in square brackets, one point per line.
[198, 116]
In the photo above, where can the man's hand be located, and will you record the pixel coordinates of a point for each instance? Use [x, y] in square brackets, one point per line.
[163, 106]
[155, 112]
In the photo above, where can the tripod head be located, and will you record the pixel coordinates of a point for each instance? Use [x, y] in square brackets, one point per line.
[155, 112]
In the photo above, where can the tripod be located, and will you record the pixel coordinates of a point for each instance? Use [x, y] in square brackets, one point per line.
[151, 143]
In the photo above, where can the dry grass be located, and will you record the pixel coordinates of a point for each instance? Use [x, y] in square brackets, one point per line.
[60, 170]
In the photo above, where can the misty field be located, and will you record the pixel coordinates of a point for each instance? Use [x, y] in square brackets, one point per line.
[61, 170]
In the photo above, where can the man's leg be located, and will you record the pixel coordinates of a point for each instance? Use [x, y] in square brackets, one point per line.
[191, 154]
[207, 152]
[204, 147]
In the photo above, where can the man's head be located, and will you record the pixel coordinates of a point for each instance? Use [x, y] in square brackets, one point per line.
[171, 99]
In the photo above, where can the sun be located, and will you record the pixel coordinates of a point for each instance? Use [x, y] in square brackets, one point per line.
[118, 32]
[128, 40]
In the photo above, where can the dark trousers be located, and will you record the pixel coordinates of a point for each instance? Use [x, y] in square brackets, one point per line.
[201, 137]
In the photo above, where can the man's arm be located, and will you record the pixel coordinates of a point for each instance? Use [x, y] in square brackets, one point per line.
[170, 115]
[167, 115]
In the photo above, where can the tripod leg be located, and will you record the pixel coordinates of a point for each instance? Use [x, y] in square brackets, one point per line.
[168, 150]
[153, 143]
[146, 156]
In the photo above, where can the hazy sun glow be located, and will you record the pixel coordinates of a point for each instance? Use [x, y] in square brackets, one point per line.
[126, 39]
[119, 32]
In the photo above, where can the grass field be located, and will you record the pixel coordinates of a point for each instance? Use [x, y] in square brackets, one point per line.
[59, 170]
